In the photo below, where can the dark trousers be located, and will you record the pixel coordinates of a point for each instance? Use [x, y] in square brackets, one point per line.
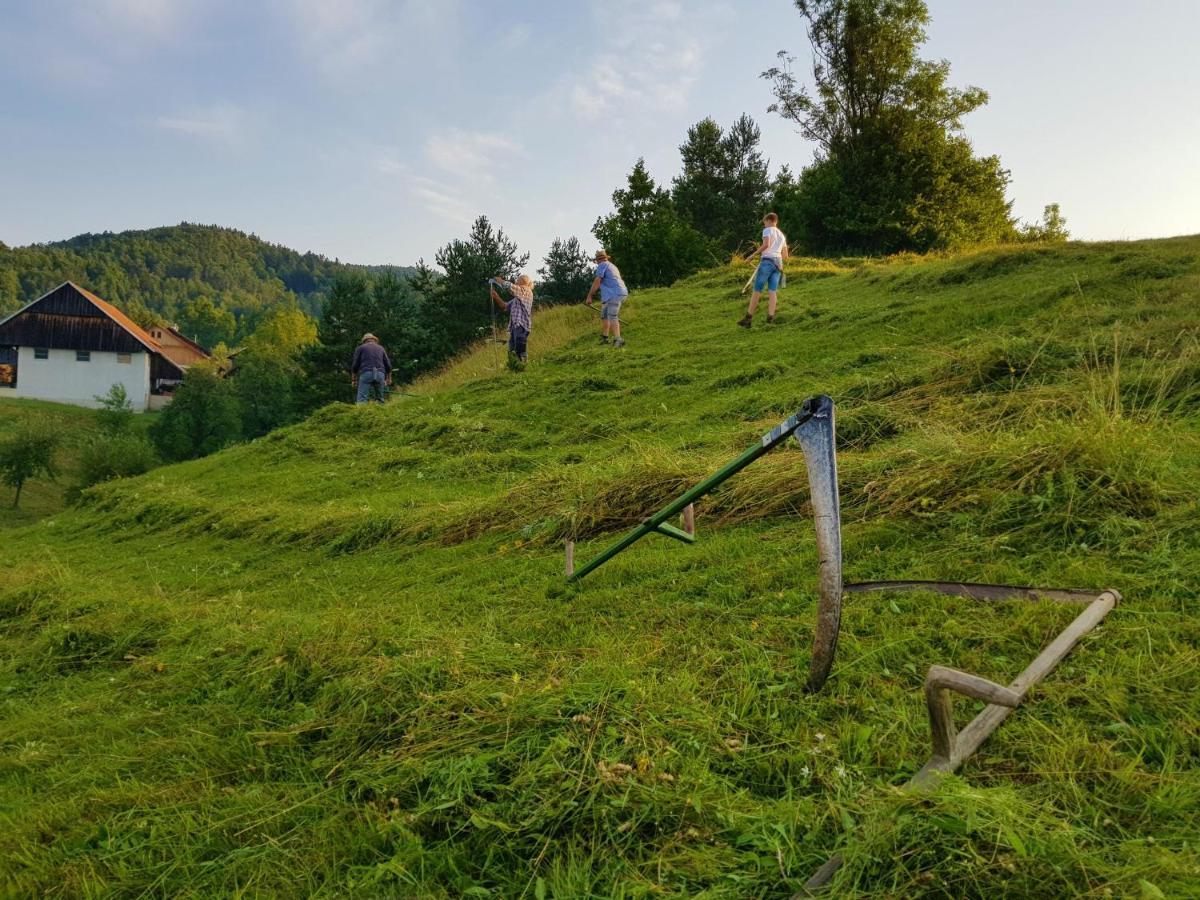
[518, 340]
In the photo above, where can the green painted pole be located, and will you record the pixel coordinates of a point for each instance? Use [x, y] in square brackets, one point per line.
[769, 440]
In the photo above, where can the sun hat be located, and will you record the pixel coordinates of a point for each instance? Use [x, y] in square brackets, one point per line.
[370, 337]
[601, 256]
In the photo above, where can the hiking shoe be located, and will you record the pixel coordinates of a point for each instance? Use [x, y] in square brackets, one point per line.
[619, 342]
[745, 320]
[604, 338]
[770, 320]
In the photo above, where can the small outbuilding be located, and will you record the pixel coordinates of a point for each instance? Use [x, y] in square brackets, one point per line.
[70, 346]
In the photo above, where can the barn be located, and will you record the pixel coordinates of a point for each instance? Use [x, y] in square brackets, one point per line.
[70, 346]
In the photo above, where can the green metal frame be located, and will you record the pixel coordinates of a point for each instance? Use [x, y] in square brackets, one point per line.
[658, 521]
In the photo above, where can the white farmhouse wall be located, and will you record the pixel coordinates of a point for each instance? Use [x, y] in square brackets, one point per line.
[64, 379]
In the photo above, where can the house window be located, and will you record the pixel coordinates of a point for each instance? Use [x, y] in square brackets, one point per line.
[83, 356]
[41, 352]
[124, 358]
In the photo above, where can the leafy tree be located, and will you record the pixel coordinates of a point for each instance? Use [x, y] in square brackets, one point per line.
[203, 416]
[27, 452]
[116, 411]
[893, 170]
[462, 308]
[10, 292]
[1053, 228]
[645, 236]
[567, 273]
[723, 189]
[206, 323]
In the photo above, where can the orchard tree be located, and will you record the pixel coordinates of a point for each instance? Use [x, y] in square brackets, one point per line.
[567, 273]
[27, 452]
[893, 170]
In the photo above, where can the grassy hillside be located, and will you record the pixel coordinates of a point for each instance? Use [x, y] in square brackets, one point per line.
[43, 497]
[341, 660]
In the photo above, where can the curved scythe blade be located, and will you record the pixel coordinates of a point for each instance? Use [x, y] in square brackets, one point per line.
[816, 437]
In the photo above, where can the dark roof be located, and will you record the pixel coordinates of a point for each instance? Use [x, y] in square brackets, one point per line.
[73, 317]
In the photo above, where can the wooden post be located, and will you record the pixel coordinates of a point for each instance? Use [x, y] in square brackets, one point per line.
[689, 519]
[570, 558]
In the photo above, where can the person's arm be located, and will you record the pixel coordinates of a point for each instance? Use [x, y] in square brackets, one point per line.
[387, 368]
[592, 292]
[500, 303]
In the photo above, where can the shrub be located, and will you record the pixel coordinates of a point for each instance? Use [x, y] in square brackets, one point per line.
[113, 455]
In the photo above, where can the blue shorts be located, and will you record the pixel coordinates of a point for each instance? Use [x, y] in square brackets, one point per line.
[768, 275]
[611, 309]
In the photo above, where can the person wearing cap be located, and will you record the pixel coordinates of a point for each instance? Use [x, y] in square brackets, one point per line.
[520, 311]
[612, 289]
[370, 367]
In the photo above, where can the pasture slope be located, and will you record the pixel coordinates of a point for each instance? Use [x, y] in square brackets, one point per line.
[341, 660]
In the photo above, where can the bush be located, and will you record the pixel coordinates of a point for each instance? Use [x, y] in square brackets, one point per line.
[113, 455]
[116, 412]
[203, 418]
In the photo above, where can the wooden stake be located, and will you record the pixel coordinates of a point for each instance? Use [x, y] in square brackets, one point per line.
[570, 558]
[689, 519]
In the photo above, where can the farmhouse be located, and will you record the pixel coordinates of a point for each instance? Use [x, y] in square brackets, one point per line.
[70, 346]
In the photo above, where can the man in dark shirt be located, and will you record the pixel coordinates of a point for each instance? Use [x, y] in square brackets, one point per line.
[370, 367]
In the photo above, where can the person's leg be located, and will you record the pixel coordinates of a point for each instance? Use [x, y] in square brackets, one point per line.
[521, 343]
[773, 290]
[760, 282]
[772, 300]
[364, 388]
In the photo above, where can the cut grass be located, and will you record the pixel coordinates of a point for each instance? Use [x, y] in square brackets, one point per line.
[341, 660]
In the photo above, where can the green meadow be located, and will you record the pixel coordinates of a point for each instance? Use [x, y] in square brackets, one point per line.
[342, 660]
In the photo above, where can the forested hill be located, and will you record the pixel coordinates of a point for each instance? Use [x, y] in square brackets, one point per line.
[215, 282]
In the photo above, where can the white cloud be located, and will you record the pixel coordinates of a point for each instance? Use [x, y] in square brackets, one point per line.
[516, 37]
[441, 200]
[222, 123]
[141, 20]
[345, 37]
[648, 58]
[473, 155]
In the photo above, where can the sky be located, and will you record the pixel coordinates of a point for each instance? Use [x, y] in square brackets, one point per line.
[374, 131]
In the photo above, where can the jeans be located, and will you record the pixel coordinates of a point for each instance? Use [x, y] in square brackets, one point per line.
[518, 339]
[767, 275]
[611, 309]
[366, 379]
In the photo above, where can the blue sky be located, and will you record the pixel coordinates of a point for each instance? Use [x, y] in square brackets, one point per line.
[375, 130]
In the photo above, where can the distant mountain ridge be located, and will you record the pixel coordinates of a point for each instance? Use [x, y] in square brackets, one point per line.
[214, 280]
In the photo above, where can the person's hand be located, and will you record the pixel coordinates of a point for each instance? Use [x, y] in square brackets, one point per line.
[388, 381]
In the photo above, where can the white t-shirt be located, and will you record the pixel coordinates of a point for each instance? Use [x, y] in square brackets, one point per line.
[777, 241]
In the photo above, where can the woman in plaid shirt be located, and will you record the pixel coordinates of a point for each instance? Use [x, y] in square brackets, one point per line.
[520, 312]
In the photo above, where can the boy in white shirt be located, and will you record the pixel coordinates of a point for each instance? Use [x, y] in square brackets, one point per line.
[772, 252]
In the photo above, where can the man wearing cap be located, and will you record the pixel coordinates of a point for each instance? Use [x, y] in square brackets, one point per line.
[612, 292]
[370, 366]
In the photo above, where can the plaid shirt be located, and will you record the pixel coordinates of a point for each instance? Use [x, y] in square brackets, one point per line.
[520, 307]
